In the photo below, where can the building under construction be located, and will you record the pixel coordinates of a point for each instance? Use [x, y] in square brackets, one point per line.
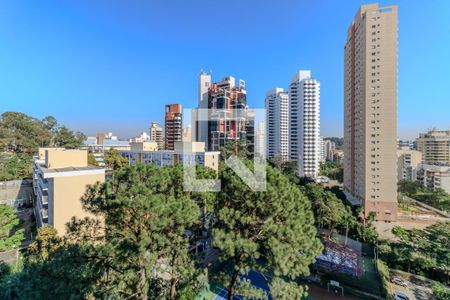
[227, 120]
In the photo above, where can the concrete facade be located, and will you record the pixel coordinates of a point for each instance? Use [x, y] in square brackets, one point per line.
[191, 152]
[435, 146]
[173, 123]
[277, 124]
[305, 145]
[370, 110]
[407, 160]
[59, 182]
[432, 176]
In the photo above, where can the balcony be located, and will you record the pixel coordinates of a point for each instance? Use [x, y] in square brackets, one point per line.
[44, 213]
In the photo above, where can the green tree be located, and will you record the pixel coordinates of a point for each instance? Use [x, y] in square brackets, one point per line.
[424, 252]
[52, 269]
[68, 139]
[240, 148]
[21, 133]
[15, 166]
[409, 187]
[440, 291]
[113, 160]
[146, 218]
[333, 170]
[10, 235]
[271, 231]
[91, 160]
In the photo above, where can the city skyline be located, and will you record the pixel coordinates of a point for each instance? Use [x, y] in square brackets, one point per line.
[96, 66]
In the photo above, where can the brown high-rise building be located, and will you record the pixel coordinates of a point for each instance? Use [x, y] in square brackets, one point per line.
[370, 120]
[173, 123]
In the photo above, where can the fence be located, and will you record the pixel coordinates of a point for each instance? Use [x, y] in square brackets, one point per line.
[17, 193]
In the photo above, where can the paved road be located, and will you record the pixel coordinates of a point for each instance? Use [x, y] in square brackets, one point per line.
[413, 291]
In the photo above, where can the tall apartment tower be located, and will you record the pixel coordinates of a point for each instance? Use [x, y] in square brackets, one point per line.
[435, 146]
[370, 111]
[328, 150]
[305, 145]
[277, 124]
[173, 123]
[222, 98]
[156, 135]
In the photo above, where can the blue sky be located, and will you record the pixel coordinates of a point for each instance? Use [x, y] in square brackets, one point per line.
[112, 65]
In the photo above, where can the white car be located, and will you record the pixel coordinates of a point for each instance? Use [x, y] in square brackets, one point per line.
[400, 296]
[399, 281]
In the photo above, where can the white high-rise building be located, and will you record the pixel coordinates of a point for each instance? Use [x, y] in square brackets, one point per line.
[328, 150]
[277, 124]
[304, 123]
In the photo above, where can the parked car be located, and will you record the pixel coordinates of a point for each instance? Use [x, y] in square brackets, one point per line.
[398, 281]
[400, 296]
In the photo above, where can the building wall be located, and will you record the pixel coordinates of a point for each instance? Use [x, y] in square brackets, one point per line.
[406, 160]
[305, 145]
[328, 150]
[224, 97]
[370, 110]
[435, 146]
[190, 147]
[144, 146]
[65, 158]
[277, 124]
[173, 123]
[156, 135]
[212, 160]
[65, 200]
[204, 84]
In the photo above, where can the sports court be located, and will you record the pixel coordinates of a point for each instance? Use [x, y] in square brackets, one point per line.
[257, 281]
[341, 258]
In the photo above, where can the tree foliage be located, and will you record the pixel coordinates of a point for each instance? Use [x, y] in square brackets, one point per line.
[15, 166]
[424, 252]
[113, 160]
[22, 135]
[10, 235]
[437, 198]
[269, 232]
[91, 160]
[53, 269]
[440, 291]
[332, 170]
[332, 214]
[146, 216]
[66, 138]
[240, 148]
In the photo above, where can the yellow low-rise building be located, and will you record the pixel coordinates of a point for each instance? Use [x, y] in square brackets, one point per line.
[60, 179]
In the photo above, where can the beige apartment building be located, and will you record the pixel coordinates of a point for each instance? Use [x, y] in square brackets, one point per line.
[432, 176]
[370, 111]
[435, 146]
[60, 179]
[156, 135]
[407, 161]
